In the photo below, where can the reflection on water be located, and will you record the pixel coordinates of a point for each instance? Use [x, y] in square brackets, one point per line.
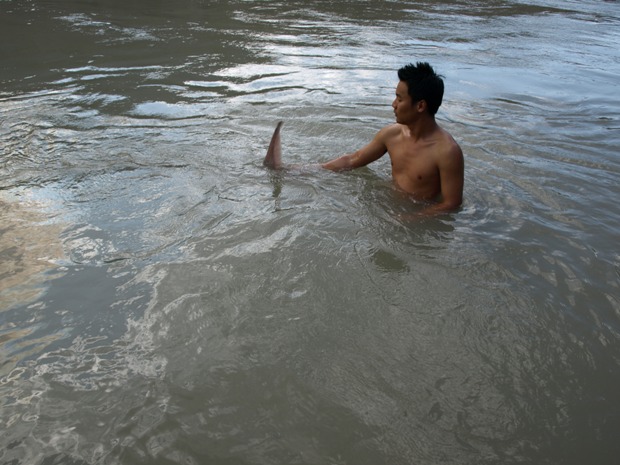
[165, 299]
[30, 248]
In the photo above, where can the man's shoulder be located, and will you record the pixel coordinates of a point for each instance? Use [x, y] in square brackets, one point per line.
[391, 129]
[448, 150]
[389, 132]
[448, 145]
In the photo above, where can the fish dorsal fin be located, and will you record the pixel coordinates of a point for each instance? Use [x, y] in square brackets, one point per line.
[273, 159]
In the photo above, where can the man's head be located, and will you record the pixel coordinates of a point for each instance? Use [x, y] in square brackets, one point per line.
[423, 84]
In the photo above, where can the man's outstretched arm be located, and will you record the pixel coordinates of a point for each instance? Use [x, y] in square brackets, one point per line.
[362, 157]
[371, 152]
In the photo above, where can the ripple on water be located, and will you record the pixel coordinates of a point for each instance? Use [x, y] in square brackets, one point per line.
[171, 299]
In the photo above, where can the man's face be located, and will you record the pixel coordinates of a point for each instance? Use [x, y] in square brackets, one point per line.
[404, 108]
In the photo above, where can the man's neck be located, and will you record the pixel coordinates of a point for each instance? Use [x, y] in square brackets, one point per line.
[422, 128]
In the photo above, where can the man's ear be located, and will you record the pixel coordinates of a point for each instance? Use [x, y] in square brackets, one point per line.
[421, 106]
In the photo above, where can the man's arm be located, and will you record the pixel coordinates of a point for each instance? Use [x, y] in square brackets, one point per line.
[362, 157]
[451, 173]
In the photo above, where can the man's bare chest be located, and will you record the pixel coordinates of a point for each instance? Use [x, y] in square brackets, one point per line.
[415, 171]
[417, 162]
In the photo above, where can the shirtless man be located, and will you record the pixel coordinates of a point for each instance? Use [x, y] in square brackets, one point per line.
[426, 161]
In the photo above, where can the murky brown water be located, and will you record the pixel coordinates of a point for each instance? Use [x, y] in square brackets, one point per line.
[165, 299]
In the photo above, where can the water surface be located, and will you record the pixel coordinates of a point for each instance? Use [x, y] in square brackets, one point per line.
[166, 299]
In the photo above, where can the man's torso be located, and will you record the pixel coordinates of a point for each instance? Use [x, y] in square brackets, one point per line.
[415, 164]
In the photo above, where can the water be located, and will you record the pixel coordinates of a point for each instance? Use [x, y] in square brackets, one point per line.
[165, 299]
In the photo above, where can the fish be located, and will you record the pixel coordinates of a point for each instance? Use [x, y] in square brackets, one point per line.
[273, 159]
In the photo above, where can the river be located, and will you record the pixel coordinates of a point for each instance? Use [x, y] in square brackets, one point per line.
[165, 299]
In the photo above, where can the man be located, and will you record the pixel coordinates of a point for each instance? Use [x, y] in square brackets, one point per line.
[426, 161]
